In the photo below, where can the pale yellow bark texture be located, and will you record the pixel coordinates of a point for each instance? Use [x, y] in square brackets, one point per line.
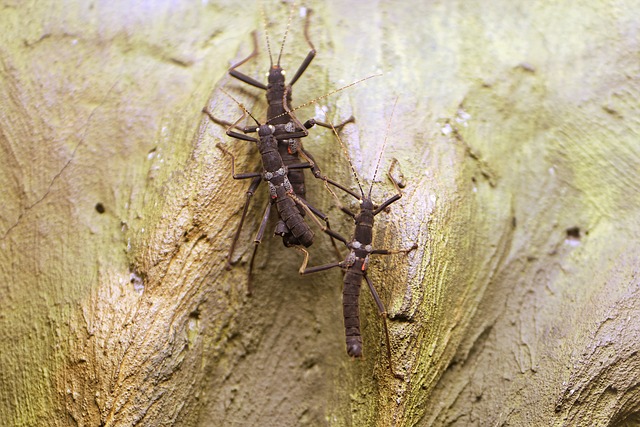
[517, 128]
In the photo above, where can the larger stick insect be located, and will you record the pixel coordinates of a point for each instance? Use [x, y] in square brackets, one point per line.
[357, 261]
[278, 94]
[288, 131]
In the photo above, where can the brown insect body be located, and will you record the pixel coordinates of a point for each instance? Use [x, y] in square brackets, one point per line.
[280, 189]
[278, 92]
[356, 263]
[356, 267]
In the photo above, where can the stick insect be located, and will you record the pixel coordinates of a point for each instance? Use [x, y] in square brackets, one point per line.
[279, 112]
[275, 174]
[360, 248]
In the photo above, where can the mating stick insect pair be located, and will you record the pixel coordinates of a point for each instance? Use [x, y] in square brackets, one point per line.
[287, 131]
[278, 95]
[280, 148]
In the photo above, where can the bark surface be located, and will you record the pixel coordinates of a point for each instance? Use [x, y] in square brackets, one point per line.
[516, 128]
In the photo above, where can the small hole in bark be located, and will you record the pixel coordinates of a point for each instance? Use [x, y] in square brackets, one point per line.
[573, 233]
[100, 208]
[573, 236]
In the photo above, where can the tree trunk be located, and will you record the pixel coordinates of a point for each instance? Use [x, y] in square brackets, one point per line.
[516, 128]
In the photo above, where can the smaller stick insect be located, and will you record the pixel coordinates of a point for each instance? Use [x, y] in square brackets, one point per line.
[360, 248]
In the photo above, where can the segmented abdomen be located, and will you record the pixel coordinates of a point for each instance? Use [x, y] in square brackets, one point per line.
[286, 147]
[350, 309]
[280, 189]
[295, 223]
[296, 176]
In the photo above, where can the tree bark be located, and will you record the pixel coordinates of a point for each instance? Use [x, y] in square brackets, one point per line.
[516, 128]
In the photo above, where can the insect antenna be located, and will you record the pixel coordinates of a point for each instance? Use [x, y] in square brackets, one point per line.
[266, 34]
[245, 109]
[306, 29]
[284, 38]
[384, 144]
[326, 95]
[346, 154]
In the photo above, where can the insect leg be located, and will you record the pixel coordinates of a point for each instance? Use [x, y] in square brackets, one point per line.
[325, 218]
[310, 55]
[245, 175]
[323, 227]
[338, 127]
[394, 251]
[303, 268]
[256, 242]
[243, 77]
[250, 192]
[230, 126]
[383, 314]
[393, 198]
[395, 164]
[307, 156]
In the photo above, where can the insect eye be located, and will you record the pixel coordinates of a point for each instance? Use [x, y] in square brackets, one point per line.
[266, 74]
[282, 72]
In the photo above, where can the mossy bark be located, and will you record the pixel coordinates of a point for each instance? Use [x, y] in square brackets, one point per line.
[516, 128]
